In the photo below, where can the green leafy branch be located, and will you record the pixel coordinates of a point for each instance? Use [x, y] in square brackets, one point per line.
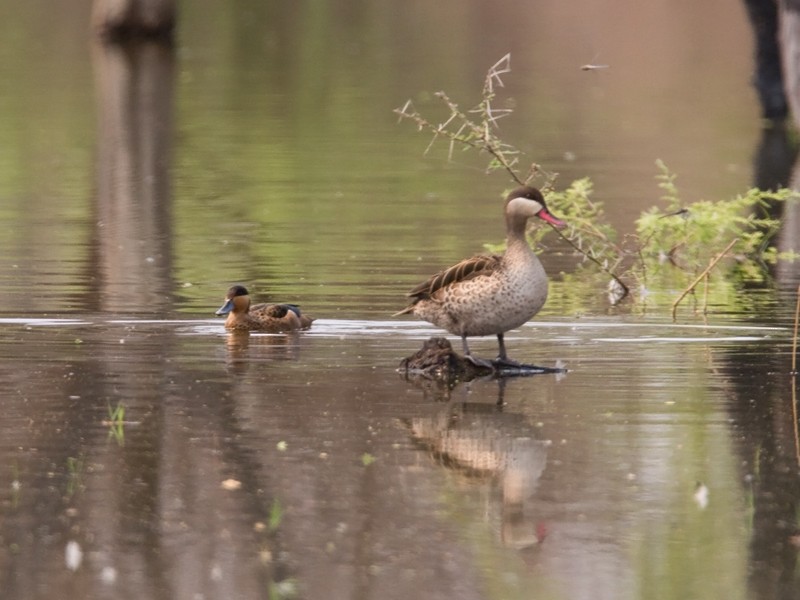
[584, 235]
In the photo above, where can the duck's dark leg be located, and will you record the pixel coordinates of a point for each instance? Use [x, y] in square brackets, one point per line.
[502, 359]
[501, 342]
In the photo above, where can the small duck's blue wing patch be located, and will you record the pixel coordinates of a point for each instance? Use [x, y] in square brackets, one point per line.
[294, 308]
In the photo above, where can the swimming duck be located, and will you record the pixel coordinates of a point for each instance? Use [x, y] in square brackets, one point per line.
[489, 295]
[274, 318]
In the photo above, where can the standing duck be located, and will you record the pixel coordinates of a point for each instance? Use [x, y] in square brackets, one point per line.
[273, 318]
[489, 295]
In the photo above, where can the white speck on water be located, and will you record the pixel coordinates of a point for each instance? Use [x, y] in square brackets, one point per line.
[701, 495]
[73, 555]
[108, 575]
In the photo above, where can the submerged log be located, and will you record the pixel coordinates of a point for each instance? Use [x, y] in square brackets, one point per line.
[437, 360]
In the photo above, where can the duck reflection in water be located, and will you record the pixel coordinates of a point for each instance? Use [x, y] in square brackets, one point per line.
[270, 318]
[245, 349]
[480, 440]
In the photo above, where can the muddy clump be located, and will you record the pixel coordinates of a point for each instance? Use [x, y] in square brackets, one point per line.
[437, 360]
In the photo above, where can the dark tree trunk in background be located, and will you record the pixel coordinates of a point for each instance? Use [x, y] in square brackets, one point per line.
[124, 19]
[789, 38]
[768, 78]
[776, 30]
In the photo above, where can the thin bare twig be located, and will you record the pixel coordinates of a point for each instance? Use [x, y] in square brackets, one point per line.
[501, 67]
[794, 418]
[794, 336]
[794, 381]
[702, 275]
[597, 262]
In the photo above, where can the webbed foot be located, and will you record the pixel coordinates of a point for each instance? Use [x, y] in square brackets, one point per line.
[481, 363]
[504, 365]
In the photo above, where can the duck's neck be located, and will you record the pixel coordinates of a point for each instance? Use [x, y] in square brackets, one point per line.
[516, 237]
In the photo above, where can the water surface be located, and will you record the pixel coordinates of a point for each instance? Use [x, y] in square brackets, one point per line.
[146, 453]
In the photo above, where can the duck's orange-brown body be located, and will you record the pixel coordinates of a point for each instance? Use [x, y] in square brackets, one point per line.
[272, 318]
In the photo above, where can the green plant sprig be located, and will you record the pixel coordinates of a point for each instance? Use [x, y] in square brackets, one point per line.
[479, 134]
[588, 234]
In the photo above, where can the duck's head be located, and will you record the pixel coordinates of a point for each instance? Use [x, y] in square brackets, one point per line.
[237, 300]
[526, 202]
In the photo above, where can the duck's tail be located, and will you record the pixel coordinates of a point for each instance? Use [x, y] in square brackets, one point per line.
[405, 311]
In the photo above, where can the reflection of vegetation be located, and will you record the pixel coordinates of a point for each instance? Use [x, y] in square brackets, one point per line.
[689, 238]
[75, 468]
[280, 590]
[275, 515]
[286, 588]
[16, 487]
[116, 423]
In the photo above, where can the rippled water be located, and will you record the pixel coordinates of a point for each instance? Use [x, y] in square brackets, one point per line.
[147, 453]
[306, 461]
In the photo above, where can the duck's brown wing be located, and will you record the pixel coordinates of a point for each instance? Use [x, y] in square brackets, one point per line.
[279, 311]
[465, 270]
[276, 311]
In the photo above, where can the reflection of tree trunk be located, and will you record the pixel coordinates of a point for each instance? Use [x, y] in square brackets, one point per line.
[789, 238]
[116, 19]
[790, 52]
[765, 442]
[132, 260]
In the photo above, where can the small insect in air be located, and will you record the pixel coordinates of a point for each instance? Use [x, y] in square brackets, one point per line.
[593, 66]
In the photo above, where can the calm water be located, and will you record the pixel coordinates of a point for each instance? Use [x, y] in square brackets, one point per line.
[137, 184]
